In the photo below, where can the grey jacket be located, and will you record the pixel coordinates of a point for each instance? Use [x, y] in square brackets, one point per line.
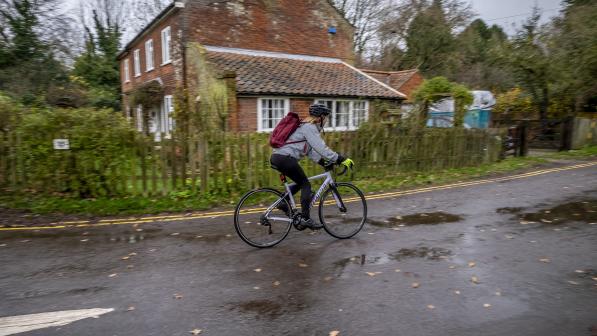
[312, 144]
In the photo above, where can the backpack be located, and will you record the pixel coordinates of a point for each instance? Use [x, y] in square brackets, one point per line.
[284, 129]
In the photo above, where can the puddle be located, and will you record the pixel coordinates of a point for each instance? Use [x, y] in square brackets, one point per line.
[359, 260]
[581, 211]
[269, 308]
[429, 218]
[429, 253]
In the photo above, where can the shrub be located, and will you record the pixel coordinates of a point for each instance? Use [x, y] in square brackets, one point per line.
[102, 147]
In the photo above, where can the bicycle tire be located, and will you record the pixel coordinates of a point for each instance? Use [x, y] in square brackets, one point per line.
[360, 198]
[240, 212]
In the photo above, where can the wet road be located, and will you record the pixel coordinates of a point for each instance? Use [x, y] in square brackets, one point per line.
[513, 257]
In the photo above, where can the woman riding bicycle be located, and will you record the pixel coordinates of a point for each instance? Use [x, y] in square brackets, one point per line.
[306, 141]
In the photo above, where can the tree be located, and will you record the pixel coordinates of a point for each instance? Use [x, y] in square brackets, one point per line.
[436, 89]
[28, 62]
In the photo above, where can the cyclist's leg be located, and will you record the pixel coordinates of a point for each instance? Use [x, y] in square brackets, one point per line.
[290, 167]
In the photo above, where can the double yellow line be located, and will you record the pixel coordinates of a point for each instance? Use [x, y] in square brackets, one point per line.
[173, 218]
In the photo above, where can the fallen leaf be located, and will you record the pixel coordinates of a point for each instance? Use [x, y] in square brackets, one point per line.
[177, 296]
[475, 280]
[353, 259]
[572, 282]
[131, 308]
[509, 237]
[372, 273]
[25, 241]
[457, 292]
[334, 333]
[498, 293]
[545, 260]
[256, 287]
[113, 275]
[132, 254]
[493, 230]
[557, 229]
[303, 265]
[579, 271]
[415, 285]
[398, 217]
[138, 230]
[228, 235]
[195, 331]
[482, 230]
[83, 240]
[532, 241]
[327, 278]
[198, 236]
[471, 264]
[396, 229]
[257, 270]
[125, 258]
[547, 211]
[152, 250]
[546, 220]
[397, 270]
[452, 267]
[175, 234]
[486, 305]
[276, 283]
[526, 222]
[431, 306]
[371, 233]
[594, 279]
[130, 266]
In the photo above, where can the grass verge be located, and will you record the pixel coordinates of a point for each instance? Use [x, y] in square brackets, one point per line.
[181, 202]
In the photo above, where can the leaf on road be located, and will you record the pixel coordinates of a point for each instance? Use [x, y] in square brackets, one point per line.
[177, 296]
[546, 220]
[303, 265]
[131, 308]
[138, 230]
[372, 274]
[228, 235]
[457, 292]
[353, 258]
[545, 260]
[371, 233]
[498, 293]
[82, 240]
[112, 275]
[195, 331]
[25, 241]
[132, 254]
[257, 270]
[579, 271]
[125, 258]
[526, 222]
[327, 278]
[471, 264]
[175, 234]
[431, 306]
[572, 282]
[276, 283]
[594, 279]
[486, 305]
[334, 333]
[397, 270]
[475, 280]
[452, 267]
[532, 241]
[130, 266]
[415, 285]
[198, 237]
[257, 287]
[509, 237]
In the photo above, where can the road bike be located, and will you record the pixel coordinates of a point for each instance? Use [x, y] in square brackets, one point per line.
[265, 216]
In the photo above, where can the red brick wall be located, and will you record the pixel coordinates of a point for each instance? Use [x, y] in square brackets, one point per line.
[411, 85]
[289, 26]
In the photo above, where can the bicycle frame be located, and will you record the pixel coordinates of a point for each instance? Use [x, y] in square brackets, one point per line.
[329, 181]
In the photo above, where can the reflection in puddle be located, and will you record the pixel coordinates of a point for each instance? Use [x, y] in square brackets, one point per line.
[581, 211]
[268, 308]
[362, 259]
[430, 253]
[429, 218]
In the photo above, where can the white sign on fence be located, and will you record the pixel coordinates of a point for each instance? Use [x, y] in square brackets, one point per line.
[61, 144]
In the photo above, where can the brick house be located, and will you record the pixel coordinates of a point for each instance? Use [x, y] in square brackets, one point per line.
[405, 81]
[278, 55]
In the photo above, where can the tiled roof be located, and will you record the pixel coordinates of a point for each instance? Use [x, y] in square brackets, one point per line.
[394, 79]
[259, 72]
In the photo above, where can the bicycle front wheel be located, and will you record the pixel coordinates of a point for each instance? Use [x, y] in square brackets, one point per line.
[259, 220]
[343, 210]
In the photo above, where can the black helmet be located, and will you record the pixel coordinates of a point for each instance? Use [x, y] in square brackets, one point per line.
[319, 110]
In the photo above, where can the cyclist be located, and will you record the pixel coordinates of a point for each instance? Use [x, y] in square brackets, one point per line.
[306, 141]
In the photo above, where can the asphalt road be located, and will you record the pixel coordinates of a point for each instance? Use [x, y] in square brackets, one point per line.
[508, 257]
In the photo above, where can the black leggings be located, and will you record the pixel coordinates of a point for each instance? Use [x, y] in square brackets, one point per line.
[290, 167]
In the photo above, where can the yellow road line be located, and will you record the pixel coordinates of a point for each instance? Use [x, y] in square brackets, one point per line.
[173, 218]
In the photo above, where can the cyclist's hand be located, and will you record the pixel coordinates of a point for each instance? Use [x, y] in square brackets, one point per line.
[348, 163]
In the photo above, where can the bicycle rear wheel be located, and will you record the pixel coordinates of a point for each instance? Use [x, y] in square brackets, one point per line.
[258, 220]
[343, 210]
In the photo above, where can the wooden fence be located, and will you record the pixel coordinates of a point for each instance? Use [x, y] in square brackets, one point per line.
[234, 163]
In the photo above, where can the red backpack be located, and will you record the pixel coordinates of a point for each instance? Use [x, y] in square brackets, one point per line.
[284, 129]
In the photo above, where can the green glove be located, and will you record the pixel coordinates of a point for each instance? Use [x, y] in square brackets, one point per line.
[348, 163]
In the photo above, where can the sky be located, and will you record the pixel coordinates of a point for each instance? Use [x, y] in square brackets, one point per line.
[507, 13]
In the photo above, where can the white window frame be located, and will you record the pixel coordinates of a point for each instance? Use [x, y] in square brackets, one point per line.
[166, 42]
[149, 63]
[167, 120]
[137, 61]
[139, 118]
[126, 70]
[351, 115]
[260, 111]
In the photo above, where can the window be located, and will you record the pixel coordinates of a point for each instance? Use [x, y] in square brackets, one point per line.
[127, 75]
[167, 121]
[139, 118]
[270, 112]
[346, 114]
[137, 60]
[166, 46]
[149, 55]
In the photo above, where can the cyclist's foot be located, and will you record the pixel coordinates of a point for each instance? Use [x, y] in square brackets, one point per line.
[311, 224]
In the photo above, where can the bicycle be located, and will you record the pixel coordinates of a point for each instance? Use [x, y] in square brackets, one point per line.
[342, 211]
